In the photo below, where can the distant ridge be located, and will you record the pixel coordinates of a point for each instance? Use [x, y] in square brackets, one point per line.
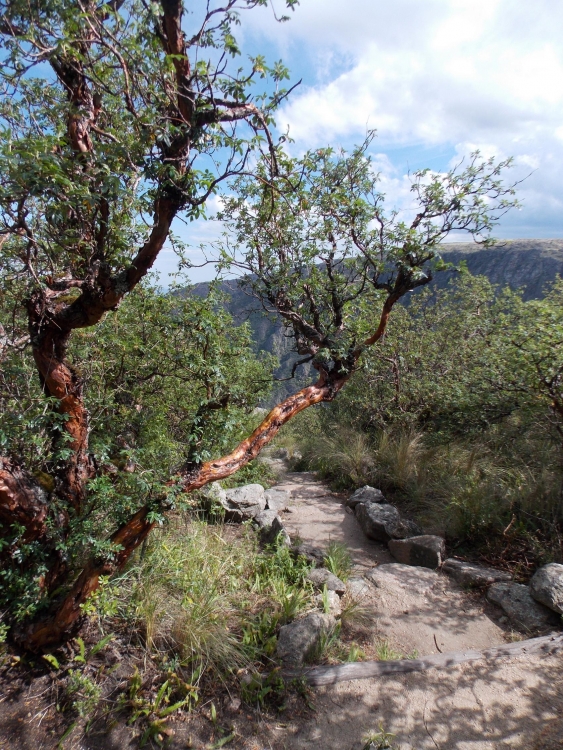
[527, 264]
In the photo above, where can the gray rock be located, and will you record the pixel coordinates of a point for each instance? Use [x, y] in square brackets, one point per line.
[546, 586]
[357, 588]
[314, 555]
[247, 501]
[299, 639]
[320, 577]
[333, 601]
[365, 495]
[426, 551]
[381, 521]
[519, 606]
[277, 499]
[470, 574]
[271, 527]
[395, 576]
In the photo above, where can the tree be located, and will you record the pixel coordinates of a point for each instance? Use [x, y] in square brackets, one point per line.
[107, 110]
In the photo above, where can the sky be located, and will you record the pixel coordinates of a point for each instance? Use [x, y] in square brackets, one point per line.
[436, 79]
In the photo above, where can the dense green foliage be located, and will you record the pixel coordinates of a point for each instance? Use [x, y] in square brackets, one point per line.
[457, 414]
[169, 381]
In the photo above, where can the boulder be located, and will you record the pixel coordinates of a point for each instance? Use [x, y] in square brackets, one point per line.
[277, 499]
[271, 527]
[321, 577]
[313, 555]
[381, 521]
[365, 495]
[519, 606]
[393, 576]
[333, 601]
[425, 551]
[298, 640]
[546, 586]
[247, 501]
[470, 574]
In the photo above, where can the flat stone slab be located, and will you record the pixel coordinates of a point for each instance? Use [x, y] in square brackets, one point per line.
[426, 551]
[321, 577]
[546, 586]
[299, 639]
[520, 608]
[397, 575]
[366, 495]
[471, 574]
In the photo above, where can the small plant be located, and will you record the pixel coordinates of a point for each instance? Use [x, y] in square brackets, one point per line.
[338, 560]
[83, 692]
[381, 740]
[385, 652]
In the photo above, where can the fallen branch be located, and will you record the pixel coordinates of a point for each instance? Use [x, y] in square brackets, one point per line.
[317, 676]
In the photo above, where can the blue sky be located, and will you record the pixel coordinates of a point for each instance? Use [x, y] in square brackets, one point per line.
[437, 79]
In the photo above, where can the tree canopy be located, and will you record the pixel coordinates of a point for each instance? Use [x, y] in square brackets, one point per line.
[116, 119]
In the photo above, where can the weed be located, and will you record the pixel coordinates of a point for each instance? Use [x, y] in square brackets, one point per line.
[385, 652]
[83, 692]
[381, 740]
[338, 560]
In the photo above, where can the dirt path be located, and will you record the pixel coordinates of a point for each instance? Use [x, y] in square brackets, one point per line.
[472, 707]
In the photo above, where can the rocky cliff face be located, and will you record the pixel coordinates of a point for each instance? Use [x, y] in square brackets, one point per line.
[527, 264]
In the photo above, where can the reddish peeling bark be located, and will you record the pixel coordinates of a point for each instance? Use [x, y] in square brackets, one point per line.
[22, 501]
[132, 534]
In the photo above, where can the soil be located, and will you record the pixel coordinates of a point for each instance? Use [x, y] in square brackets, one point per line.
[509, 703]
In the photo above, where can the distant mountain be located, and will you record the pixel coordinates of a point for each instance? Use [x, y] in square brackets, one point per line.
[527, 264]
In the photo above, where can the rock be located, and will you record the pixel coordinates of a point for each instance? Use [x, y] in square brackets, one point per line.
[365, 495]
[357, 588]
[381, 521]
[314, 555]
[277, 499]
[395, 575]
[298, 640]
[546, 586]
[426, 551]
[320, 577]
[271, 527]
[247, 501]
[470, 574]
[333, 601]
[519, 606]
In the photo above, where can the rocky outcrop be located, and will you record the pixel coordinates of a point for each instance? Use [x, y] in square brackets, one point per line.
[546, 586]
[321, 577]
[277, 499]
[357, 588]
[243, 503]
[426, 551]
[298, 640]
[472, 575]
[271, 527]
[382, 522]
[520, 608]
[365, 495]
